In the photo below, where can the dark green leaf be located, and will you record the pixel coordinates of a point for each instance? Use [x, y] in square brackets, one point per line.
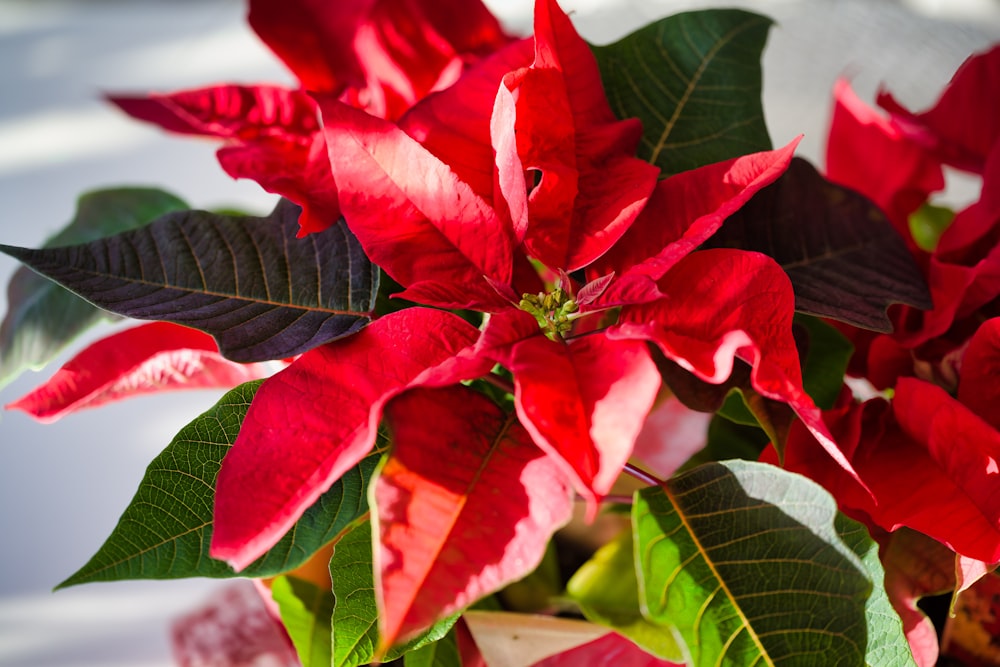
[728, 440]
[845, 259]
[306, 610]
[607, 590]
[825, 353]
[249, 282]
[694, 80]
[165, 531]
[42, 317]
[750, 564]
[355, 614]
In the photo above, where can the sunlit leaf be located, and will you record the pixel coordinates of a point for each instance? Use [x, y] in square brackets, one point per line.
[165, 531]
[752, 564]
[42, 317]
[306, 610]
[153, 357]
[247, 281]
[607, 590]
[694, 79]
[466, 505]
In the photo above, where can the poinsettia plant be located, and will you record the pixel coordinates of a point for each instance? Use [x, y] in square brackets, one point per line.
[518, 288]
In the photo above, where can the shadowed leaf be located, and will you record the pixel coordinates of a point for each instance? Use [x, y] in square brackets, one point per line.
[694, 79]
[752, 564]
[42, 317]
[247, 281]
[165, 531]
[845, 259]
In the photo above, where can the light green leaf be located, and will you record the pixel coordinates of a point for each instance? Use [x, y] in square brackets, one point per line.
[607, 591]
[442, 653]
[355, 614]
[166, 530]
[746, 561]
[43, 317]
[306, 610]
[928, 223]
[694, 80]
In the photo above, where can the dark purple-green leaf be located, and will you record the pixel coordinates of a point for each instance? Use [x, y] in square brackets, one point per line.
[247, 281]
[43, 318]
[845, 259]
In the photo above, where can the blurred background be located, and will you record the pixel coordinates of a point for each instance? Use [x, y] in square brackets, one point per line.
[64, 485]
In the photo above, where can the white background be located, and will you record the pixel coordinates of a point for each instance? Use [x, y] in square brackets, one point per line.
[63, 486]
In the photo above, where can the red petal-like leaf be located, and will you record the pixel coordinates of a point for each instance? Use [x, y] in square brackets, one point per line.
[228, 111]
[234, 628]
[671, 434]
[867, 153]
[297, 170]
[611, 649]
[931, 465]
[916, 566]
[454, 124]
[383, 54]
[415, 219]
[142, 360]
[318, 418]
[683, 212]
[591, 187]
[961, 128]
[978, 388]
[721, 305]
[583, 402]
[466, 504]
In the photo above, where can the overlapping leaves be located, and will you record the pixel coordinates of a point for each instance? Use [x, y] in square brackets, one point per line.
[845, 259]
[165, 531]
[752, 564]
[262, 293]
[42, 317]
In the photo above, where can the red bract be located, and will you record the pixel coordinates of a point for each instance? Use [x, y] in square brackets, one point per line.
[930, 462]
[146, 359]
[381, 55]
[317, 418]
[961, 128]
[465, 506]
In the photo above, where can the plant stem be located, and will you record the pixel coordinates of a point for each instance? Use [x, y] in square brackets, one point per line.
[499, 382]
[643, 476]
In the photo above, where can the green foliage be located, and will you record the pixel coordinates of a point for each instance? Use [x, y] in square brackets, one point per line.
[355, 612]
[166, 530]
[928, 223]
[43, 317]
[305, 612]
[442, 653]
[607, 590]
[694, 80]
[749, 564]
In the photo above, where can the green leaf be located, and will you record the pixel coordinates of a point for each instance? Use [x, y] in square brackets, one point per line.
[258, 290]
[442, 653]
[306, 610]
[845, 259]
[166, 530]
[43, 317]
[928, 223]
[825, 357]
[355, 613]
[694, 80]
[747, 561]
[728, 440]
[607, 591]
